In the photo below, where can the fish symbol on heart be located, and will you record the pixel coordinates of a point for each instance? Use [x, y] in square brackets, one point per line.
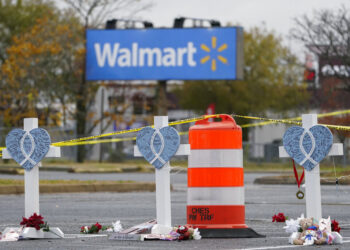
[28, 148]
[308, 146]
[158, 146]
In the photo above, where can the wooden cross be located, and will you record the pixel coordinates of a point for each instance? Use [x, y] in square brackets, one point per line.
[312, 178]
[31, 177]
[163, 203]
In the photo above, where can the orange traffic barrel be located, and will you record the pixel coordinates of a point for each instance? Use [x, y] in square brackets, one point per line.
[215, 195]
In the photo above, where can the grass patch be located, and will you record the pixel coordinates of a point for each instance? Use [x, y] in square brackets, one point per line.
[6, 182]
[249, 166]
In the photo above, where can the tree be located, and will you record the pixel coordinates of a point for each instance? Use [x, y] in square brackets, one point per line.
[18, 16]
[271, 81]
[92, 13]
[327, 34]
[41, 70]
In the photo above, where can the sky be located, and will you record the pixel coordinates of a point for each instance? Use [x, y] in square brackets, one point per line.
[276, 15]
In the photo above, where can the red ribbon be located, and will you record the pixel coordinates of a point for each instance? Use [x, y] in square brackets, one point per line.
[296, 175]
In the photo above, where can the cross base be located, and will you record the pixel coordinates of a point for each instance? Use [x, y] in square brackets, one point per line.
[32, 233]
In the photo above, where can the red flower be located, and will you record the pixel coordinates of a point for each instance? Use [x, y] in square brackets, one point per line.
[279, 218]
[182, 229]
[33, 221]
[24, 221]
[335, 226]
[99, 227]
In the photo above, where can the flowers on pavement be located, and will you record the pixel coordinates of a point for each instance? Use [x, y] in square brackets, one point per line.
[279, 218]
[36, 221]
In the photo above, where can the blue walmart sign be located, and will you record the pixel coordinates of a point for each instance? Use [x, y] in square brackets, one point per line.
[165, 54]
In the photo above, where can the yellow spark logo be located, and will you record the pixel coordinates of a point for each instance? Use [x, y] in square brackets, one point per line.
[219, 57]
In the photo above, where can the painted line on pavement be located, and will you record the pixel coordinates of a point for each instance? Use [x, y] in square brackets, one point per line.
[74, 236]
[285, 246]
[276, 247]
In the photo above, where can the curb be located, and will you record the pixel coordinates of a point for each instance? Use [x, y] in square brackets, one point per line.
[136, 169]
[289, 180]
[79, 188]
[20, 170]
[94, 171]
[16, 171]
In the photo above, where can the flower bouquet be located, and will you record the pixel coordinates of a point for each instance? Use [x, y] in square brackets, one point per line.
[279, 218]
[177, 233]
[96, 228]
[32, 227]
[35, 227]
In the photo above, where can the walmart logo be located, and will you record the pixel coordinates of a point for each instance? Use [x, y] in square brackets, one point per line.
[164, 54]
[137, 56]
[214, 47]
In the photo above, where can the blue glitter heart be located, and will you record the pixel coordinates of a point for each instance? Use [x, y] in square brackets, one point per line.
[308, 146]
[28, 148]
[158, 146]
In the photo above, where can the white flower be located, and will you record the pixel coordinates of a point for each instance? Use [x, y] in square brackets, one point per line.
[293, 237]
[109, 230]
[117, 226]
[292, 226]
[325, 225]
[196, 235]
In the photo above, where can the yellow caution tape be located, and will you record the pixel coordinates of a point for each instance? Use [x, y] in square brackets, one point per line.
[294, 121]
[106, 141]
[74, 141]
[344, 128]
[271, 121]
[340, 112]
[268, 120]
[98, 141]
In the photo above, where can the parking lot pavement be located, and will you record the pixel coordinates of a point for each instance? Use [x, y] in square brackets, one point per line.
[71, 211]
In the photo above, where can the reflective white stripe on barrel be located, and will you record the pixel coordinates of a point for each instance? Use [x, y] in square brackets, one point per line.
[203, 158]
[215, 196]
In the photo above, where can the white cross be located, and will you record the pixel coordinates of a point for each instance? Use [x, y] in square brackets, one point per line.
[31, 177]
[163, 203]
[312, 178]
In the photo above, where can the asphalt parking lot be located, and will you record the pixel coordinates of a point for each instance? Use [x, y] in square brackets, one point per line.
[71, 211]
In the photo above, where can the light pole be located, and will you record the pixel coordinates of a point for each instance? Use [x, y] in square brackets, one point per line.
[113, 24]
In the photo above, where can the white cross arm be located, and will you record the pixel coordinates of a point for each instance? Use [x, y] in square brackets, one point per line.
[184, 149]
[337, 149]
[53, 152]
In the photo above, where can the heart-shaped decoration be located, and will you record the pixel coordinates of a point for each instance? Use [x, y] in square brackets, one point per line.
[28, 148]
[308, 146]
[158, 146]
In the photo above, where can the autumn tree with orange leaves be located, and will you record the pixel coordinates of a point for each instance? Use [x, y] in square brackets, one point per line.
[41, 70]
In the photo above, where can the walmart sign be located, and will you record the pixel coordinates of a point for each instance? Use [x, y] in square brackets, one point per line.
[165, 54]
